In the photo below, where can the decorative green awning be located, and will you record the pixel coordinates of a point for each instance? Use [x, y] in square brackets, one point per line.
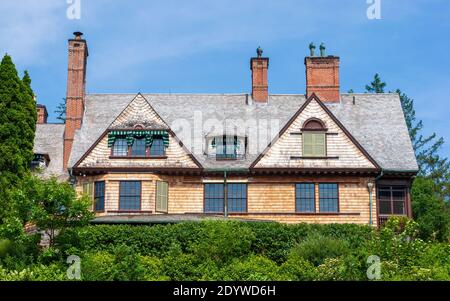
[139, 134]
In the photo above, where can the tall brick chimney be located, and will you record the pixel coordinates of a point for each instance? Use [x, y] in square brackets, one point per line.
[76, 82]
[42, 114]
[260, 87]
[322, 75]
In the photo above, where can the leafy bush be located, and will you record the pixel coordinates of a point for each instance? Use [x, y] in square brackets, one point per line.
[317, 248]
[254, 268]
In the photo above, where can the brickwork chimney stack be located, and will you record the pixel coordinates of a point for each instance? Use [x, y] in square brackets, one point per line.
[42, 114]
[260, 86]
[322, 75]
[75, 97]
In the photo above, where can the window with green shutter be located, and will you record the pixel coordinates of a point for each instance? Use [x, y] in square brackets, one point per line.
[88, 189]
[162, 195]
[314, 144]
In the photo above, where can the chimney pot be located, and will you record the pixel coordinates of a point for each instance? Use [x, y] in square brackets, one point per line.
[78, 35]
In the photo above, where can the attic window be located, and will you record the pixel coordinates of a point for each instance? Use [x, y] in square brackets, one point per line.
[314, 139]
[227, 147]
[138, 143]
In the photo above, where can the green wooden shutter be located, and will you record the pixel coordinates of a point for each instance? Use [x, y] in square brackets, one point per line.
[308, 143]
[88, 189]
[162, 191]
[314, 145]
[319, 145]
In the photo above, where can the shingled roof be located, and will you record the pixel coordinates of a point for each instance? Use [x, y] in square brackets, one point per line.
[375, 120]
[49, 140]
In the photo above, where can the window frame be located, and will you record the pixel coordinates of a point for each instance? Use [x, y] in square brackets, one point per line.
[391, 189]
[133, 149]
[224, 144]
[113, 148]
[135, 195]
[161, 146]
[102, 196]
[329, 198]
[221, 198]
[298, 198]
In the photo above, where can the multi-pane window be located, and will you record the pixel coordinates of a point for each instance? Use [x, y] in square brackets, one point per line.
[226, 147]
[236, 198]
[305, 197]
[139, 148]
[214, 198]
[162, 194]
[392, 200]
[314, 144]
[120, 147]
[329, 197]
[130, 196]
[157, 148]
[99, 196]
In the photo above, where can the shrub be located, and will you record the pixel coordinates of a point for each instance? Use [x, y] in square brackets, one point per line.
[223, 241]
[317, 248]
[297, 269]
[254, 268]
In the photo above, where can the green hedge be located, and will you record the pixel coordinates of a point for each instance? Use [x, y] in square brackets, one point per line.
[217, 250]
[272, 240]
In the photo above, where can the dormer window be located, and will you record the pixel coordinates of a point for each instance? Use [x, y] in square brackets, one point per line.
[157, 148]
[138, 144]
[120, 148]
[40, 161]
[138, 149]
[226, 147]
[314, 138]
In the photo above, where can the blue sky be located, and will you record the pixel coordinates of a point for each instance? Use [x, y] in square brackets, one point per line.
[205, 46]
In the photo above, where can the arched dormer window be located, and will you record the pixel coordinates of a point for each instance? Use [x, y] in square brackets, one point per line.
[314, 138]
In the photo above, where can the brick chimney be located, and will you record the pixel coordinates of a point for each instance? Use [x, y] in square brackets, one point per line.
[322, 75]
[42, 114]
[260, 86]
[76, 82]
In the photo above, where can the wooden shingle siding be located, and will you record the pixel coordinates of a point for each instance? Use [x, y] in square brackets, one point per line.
[339, 146]
[269, 197]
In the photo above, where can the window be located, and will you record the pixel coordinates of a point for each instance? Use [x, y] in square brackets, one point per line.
[314, 139]
[120, 148]
[214, 198]
[392, 200]
[237, 197]
[329, 197]
[226, 147]
[162, 191]
[157, 148]
[99, 196]
[139, 148]
[130, 196]
[305, 197]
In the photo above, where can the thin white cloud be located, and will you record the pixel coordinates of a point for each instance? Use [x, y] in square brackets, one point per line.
[29, 27]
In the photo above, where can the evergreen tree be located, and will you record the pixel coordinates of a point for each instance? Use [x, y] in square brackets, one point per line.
[376, 86]
[61, 111]
[17, 128]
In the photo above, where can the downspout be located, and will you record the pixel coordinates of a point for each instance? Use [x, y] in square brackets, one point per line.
[371, 186]
[225, 194]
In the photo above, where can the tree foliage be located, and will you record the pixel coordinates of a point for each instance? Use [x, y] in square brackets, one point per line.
[61, 111]
[17, 128]
[376, 86]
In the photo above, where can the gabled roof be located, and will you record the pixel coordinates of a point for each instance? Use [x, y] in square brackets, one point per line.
[376, 121]
[330, 114]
